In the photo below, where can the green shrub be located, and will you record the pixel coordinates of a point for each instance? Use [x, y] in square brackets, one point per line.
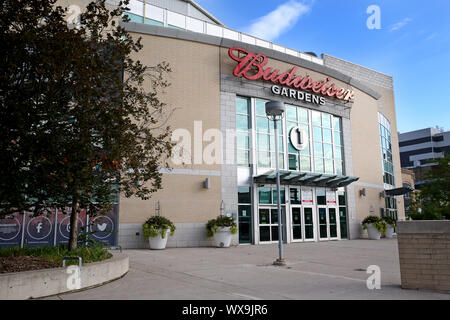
[377, 222]
[220, 222]
[94, 253]
[154, 224]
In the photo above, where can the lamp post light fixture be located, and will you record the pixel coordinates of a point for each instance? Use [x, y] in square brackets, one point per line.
[275, 111]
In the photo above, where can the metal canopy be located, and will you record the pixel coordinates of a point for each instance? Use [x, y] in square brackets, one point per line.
[305, 179]
[398, 191]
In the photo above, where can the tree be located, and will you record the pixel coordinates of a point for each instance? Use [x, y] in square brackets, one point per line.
[432, 202]
[81, 120]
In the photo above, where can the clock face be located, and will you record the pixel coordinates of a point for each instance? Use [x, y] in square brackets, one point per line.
[298, 138]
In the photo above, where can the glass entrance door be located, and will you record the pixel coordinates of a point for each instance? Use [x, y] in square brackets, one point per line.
[328, 225]
[323, 223]
[297, 224]
[308, 219]
[268, 224]
[332, 221]
[302, 224]
[245, 224]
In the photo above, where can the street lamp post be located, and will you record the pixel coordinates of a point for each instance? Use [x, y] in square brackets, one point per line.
[275, 111]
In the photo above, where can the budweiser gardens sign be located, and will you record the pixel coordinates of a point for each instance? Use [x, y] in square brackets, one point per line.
[253, 66]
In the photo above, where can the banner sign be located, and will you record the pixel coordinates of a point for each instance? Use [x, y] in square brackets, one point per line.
[40, 230]
[103, 226]
[307, 196]
[331, 197]
[23, 229]
[11, 228]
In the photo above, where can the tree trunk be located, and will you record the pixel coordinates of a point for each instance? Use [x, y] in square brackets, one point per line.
[73, 239]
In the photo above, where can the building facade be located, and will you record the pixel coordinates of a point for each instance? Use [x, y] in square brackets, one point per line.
[418, 147]
[225, 159]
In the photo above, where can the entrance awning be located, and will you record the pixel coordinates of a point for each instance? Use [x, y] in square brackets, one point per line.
[398, 191]
[305, 179]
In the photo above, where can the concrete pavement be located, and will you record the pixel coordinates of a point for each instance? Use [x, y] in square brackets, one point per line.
[324, 270]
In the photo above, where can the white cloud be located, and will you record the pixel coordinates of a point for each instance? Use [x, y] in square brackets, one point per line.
[432, 36]
[273, 24]
[400, 24]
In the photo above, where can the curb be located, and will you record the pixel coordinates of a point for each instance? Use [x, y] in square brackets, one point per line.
[48, 282]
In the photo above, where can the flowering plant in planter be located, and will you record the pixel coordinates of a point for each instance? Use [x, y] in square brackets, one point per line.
[375, 221]
[213, 225]
[157, 224]
[390, 221]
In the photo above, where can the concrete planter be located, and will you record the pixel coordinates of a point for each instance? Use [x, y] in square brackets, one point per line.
[222, 237]
[158, 242]
[389, 232]
[423, 248]
[48, 282]
[372, 232]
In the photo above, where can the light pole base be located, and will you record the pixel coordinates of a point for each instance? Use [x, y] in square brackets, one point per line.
[280, 262]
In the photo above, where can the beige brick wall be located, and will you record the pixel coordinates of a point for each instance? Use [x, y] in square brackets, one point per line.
[425, 261]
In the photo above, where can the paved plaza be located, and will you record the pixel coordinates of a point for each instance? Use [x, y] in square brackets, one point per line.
[324, 270]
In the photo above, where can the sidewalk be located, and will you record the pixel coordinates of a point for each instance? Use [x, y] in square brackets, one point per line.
[324, 270]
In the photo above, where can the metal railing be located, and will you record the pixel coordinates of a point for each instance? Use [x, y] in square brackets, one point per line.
[157, 15]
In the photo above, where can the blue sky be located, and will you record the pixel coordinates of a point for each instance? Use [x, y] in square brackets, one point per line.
[413, 44]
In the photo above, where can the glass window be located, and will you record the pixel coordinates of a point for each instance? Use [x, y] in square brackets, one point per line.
[264, 216]
[326, 120]
[244, 195]
[306, 151]
[317, 134]
[291, 113]
[327, 135]
[260, 106]
[341, 198]
[275, 196]
[328, 150]
[328, 166]
[280, 160]
[243, 141]
[242, 106]
[321, 198]
[280, 143]
[295, 196]
[302, 115]
[264, 159]
[386, 150]
[337, 123]
[262, 124]
[265, 195]
[290, 125]
[242, 122]
[263, 142]
[316, 119]
[293, 162]
[305, 163]
[318, 165]
[243, 157]
[337, 138]
[318, 151]
[338, 153]
[339, 167]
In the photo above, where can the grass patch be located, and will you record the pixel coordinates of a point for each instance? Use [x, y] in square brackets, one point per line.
[89, 254]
